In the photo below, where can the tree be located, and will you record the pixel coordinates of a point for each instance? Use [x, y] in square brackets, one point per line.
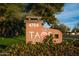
[46, 10]
[63, 28]
[11, 22]
[11, 11]
[76, 28]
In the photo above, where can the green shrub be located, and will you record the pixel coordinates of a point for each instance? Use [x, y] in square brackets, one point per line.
[66, 48]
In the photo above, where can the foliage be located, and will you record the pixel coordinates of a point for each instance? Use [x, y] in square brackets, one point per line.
[48, 41]
[11, 19]
[11, 11]
[11, 28]
[9, 41]
[63, 28]
[66, 48]
[11, 25]
[12, 16]
[45, 10]
[76, 28]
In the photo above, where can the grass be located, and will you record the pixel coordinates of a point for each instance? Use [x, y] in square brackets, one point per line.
[12, 41]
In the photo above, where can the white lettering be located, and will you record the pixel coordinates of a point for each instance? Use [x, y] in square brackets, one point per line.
[37, 35]
[33, 25]
[31, 34]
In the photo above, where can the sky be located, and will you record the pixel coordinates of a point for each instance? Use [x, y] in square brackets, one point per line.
[70, 15]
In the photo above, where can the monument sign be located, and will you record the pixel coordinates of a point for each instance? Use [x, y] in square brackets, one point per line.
[35, 32]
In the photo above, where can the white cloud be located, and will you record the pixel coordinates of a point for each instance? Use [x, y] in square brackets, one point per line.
[70, 15]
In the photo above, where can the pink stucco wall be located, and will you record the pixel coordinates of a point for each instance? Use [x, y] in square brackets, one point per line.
[35, 32]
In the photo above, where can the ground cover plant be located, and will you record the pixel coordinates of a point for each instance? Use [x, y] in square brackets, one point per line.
[17, 47]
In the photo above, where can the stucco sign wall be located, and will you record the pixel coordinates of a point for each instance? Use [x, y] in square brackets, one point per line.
[35, 32]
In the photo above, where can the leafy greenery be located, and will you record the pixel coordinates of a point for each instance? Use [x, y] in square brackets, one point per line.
[12, 16]
[12, 25]
[63, 28]
[17, 47]
[76, 28]
[45, 10]
[12, 40]
[11, 19]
